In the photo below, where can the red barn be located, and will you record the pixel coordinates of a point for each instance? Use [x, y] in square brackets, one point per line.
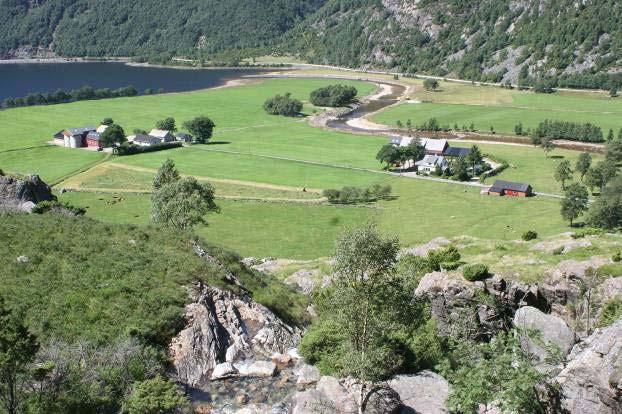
[507, 188]
[93, 140]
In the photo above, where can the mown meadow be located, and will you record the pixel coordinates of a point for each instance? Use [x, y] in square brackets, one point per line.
[269, 172]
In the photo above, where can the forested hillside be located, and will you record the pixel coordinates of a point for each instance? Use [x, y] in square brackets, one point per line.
[145, 27]
[565, 42]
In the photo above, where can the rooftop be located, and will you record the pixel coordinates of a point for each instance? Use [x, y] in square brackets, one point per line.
[508, 185]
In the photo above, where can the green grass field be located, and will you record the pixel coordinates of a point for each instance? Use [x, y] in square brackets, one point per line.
[422, 210]
[255, 155]
[487, 106]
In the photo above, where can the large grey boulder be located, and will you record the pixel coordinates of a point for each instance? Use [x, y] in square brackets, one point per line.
[591, 382]
[23, 193]
[549, 331]
[424, 393]
[307, 374]
[256, 369]
[218, 320]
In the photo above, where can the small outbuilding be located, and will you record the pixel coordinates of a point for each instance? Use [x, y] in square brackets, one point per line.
[183, 137]
[510, 189]
[93, 140]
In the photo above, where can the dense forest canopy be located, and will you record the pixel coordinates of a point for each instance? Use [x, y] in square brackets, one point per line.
[571, 43]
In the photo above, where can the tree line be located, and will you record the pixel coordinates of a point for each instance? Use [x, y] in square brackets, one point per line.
[572, 131]
[60, 96]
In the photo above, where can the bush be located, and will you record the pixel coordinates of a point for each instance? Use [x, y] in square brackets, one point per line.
[475, 272]
[352, 195]
[333, 95]
[611, 312]
[131, 149]
[283, 105]
[529, 235]
[57, 207]
[617, 258]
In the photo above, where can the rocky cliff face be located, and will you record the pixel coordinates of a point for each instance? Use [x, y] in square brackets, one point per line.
[591, 382]
[225, 328]
[23, 193]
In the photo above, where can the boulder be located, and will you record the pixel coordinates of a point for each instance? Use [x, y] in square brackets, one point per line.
[307, 375]
[224, 370]
[257, 369]
[425, 392]
[591, 382]
[384, 401]
[311, 402]
[304, 280]
[17, 193]
[550, 329]
[218, 320]
[336, 395]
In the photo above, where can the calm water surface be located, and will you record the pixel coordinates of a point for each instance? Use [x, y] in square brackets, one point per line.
[18, 80]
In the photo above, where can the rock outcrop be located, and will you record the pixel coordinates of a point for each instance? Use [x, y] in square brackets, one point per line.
[223, 327]
[456, 306]
[541, 332]
[425, 392]
[591, 382]
[23, 193]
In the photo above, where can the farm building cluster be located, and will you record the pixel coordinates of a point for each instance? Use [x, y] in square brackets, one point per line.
[437, 153]
[90, 137]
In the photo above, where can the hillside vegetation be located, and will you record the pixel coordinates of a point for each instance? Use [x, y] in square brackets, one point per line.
[573, 43]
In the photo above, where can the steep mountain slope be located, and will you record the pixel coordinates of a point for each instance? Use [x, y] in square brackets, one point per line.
[145, 27]
[496, 40]
[575, 43]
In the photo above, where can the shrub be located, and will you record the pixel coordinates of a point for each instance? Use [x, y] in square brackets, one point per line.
[612, 311]
[443, 258]
[333, 95]
[283, 105]
[617, 257]
[57, 207]
[352, 195]
[558, 251]
[529, 235]
[475, 272]
[131, 149]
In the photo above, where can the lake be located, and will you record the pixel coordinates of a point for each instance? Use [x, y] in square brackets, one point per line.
[18, 80]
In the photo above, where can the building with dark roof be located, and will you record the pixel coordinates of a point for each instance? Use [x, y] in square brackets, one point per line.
[183, 137]
[93, 140]
[456, 152]
[146, 140]
[508, 188]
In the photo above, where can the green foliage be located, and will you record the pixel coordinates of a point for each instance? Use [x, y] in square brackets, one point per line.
[606, 211]
[322, 346]
[352, 195]
[584, 162]
[430, 84]
[182, 203]
[460, 169]
[167, 124]
[496, 373]
[201, 127]
[617, 257]
[475, 272]
[563, 173]
[156, 395]
[569, 130]
[611, 312]
[166, 174]
[333, 95]
[529, 235]
[113, 135]
[57, 207]
[283, 105]
[107, 121]
[18, 347]
[85, 93]
[127, 148]
[575, 202]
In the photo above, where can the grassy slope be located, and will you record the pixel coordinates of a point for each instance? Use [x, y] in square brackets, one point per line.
[86, 279]
[503, 109]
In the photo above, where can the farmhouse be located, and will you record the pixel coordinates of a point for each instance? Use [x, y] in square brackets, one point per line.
[432, 146]
[430, 163]
[507, 188]
[145, 140]
[74, 137]
[164, 136]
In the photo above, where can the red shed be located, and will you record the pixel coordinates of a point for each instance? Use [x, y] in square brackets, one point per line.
[507, 188]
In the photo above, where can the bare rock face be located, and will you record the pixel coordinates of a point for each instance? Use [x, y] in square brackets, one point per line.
[591, 382]
[425, 392]
[23, 193]
[454, 299]
[223, 327]
[550, 329]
